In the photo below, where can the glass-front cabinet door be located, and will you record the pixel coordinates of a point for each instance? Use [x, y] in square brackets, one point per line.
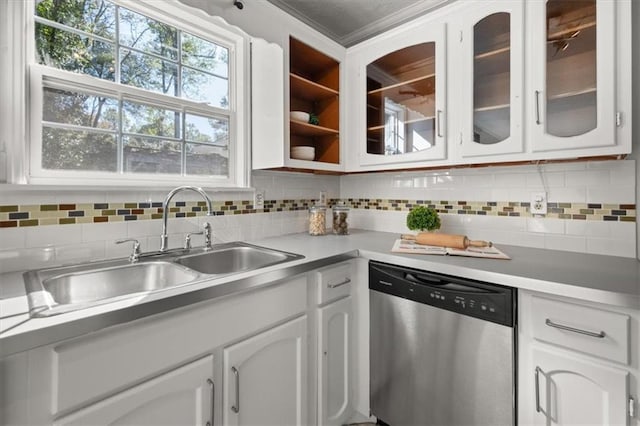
[405, 98]
[574, 79]
[490, 78]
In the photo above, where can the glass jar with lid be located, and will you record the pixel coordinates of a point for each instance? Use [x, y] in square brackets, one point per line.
[317, 220]
[340, 216]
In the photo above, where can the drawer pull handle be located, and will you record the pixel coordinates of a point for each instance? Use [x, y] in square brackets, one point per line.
[346, 281]
[211, 386]
[599, 335]
[537, 377]
[236, 408]
[538, 107]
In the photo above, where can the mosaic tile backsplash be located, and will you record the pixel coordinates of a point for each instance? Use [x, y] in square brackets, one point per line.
[12, 216]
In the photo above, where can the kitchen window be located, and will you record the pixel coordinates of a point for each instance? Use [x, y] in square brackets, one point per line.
[133, 93]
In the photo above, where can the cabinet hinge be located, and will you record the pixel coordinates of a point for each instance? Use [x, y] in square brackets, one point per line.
[460, 36]
[460, 138]
[618, 119]
[632, 408]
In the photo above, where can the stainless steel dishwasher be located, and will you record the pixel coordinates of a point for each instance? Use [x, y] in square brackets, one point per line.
[442, 349]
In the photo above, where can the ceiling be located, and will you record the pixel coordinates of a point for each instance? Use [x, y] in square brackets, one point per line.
[351, 21]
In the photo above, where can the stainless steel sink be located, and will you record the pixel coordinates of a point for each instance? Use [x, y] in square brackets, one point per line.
[63, 289]
[52, 291]
[234, 258]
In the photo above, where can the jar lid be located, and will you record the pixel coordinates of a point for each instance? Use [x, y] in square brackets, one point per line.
[340, 208]
[316, 208]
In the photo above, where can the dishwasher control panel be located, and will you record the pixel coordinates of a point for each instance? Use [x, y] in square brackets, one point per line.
[477, 299]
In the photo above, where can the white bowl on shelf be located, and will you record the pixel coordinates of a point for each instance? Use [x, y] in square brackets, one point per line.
[300, 116]
[303, 153]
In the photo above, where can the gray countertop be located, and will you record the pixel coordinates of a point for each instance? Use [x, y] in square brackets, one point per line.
[605, 279]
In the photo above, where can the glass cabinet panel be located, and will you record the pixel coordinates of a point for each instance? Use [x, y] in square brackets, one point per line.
[492, 79]
[401, 101]
[571, 95]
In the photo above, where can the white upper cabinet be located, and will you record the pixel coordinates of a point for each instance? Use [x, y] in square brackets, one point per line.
[574, 77]
[401, 96]
[489, 69]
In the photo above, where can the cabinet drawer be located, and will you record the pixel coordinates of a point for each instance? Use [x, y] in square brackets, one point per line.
[334, 282]
[581, 328]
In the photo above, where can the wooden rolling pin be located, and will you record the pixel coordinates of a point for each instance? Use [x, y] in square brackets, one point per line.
[445, 240]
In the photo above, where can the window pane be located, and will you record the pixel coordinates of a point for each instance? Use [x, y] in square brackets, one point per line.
[92, 16]
[78, 150]
[205, 55]
[148, 72]
[207, 129]
[148, 35]
[200, 86]
[71, 52]
[142, 155]
[148, 120]
[207, 160]
[80, 109]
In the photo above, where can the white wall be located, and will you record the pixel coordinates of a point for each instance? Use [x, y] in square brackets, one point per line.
[32, 247]
[606, 182]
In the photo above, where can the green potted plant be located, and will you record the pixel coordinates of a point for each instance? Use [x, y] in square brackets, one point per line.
[313, 119]
[423, 218]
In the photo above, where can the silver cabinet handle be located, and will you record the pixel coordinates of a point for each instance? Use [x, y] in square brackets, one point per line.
[537, 107]
[236, 408]
[537, 377]
[438, 123]
[213, 394]
[599, 335]
[340, 284]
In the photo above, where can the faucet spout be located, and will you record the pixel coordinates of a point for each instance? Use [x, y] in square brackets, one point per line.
[164, 238]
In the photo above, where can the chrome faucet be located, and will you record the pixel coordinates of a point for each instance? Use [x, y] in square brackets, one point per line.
[164, 238]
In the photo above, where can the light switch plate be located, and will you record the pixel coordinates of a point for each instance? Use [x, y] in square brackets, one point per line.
[538, 203]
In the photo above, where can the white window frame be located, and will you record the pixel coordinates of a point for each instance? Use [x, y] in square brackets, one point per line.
[23, 136]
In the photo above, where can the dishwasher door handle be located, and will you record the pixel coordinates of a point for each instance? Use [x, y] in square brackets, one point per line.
[439, 283]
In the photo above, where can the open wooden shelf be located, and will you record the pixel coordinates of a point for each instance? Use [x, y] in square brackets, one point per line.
[309, 90]
[305, 129]
[314, 87]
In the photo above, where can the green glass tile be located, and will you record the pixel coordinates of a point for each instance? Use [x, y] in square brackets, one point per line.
[108, 212]
[48, 207]
[67, 220]
[130, 205]
[586, 211]
[6, 209]
[627, 218]
[565, 205]
[29, 222]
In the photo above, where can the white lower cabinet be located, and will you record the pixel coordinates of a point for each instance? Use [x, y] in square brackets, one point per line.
[265, 377]
[183, 396]
[334, 355]
[278, 355]
[578, 362]
[569, 391]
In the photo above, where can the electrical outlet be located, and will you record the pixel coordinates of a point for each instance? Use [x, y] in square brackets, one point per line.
[322, 200]
[538, 203]
[258, 199]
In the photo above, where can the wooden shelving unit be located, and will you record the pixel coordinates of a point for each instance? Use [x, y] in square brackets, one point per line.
[314, 87]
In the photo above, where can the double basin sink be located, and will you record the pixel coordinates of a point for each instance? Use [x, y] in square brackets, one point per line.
[62, 289]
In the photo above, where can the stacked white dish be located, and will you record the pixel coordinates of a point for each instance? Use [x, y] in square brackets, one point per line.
[303, 153]
[299, 116]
